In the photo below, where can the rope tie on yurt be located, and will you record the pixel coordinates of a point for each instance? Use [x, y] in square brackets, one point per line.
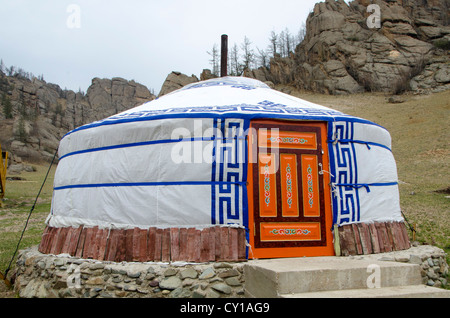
[335, 140]
[250, 251]
[26, 223]
[334, 189]
[364, 185]
[413, 230]
[367, 143]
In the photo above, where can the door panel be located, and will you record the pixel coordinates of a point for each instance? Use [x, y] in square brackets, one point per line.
[267, 185]
[289, 188]
[310, 175]
[287, 139]
[299, 231]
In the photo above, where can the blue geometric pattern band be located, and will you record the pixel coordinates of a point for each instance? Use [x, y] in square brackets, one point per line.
[228, 167]
[346, 207]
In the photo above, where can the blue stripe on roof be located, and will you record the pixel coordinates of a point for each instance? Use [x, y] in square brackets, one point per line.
[248, 116]
[135, 144]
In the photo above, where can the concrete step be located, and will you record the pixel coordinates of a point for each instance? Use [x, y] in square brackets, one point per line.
[294, 276]
[416, 291]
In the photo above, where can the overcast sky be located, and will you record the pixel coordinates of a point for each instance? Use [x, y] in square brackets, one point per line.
[71, 42]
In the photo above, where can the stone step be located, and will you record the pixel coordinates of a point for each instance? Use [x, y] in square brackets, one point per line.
[276, 277]
[415, 291]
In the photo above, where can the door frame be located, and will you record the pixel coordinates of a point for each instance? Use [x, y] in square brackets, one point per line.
[299, 251]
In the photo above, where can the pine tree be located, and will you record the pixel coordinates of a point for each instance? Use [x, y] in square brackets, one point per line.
[7, 106]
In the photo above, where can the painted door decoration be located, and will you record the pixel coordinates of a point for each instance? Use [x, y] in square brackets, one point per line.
[290, 201]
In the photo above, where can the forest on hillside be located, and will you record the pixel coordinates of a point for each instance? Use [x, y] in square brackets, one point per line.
[246, 56]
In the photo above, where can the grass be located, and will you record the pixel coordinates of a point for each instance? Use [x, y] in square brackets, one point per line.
[20, 196]
[420, 133]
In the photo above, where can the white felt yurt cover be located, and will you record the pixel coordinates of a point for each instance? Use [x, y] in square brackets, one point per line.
[181, 161]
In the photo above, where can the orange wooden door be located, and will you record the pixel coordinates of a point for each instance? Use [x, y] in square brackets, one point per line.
[289, 197]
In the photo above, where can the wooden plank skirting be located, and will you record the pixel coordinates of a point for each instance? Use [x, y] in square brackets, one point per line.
[373, 238]
[145, 245]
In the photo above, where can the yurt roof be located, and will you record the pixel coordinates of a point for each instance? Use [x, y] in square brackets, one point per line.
[229, 97]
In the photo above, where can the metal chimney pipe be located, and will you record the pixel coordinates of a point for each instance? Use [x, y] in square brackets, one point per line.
[224, 56]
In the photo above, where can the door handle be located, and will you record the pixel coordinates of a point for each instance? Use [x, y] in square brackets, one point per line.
[321, 171]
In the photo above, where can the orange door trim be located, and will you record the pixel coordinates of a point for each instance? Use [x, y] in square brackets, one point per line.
[293, 231]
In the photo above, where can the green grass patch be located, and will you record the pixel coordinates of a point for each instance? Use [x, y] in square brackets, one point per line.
[19, 199]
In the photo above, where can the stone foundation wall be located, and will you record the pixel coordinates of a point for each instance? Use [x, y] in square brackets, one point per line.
[49, 276]
[432, 261]
[43, 275]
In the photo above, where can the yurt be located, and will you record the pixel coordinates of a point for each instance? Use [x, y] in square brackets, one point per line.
[225, 169]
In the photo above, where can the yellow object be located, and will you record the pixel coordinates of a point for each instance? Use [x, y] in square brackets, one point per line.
[3, 166]
[7, 282]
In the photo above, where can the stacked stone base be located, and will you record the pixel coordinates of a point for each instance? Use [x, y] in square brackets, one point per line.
[50, 276]
[373, 238]
[217, 243]
[46, 276]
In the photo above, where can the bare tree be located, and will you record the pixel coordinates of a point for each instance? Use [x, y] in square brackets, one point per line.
[301, 34]
[288, 40]
[248, 55]
[263, 57]
[273, 43]
[282, 44]
[235, 65]
[214, 61]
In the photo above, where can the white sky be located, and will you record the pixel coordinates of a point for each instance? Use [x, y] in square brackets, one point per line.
[135, 39]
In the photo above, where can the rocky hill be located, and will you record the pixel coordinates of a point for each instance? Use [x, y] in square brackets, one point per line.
[343, 54]
[34, 115]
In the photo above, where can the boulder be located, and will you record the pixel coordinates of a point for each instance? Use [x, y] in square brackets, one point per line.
[142, 92]
[176, 80]
[431, 32]
[206, 75]
[442, 75]
[99, 93]
[326, 20]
